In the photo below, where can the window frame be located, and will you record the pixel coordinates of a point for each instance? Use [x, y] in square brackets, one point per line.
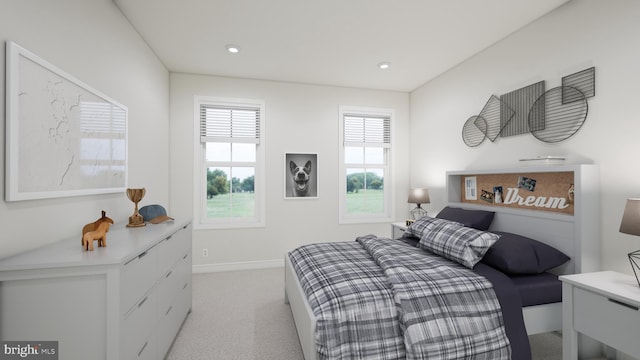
[201, 166]
[388, 214]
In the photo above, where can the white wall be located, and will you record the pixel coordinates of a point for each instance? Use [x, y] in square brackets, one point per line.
[92, 41]
[577, 36]
[299, 118]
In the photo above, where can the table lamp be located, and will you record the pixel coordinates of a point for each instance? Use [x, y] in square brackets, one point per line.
[418, 196]
[631, 225]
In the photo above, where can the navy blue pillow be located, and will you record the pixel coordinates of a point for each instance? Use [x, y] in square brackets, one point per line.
[517, 254]
[477, 219]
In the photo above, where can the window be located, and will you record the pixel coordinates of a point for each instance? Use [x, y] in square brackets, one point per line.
[365, 176]
[230, 182]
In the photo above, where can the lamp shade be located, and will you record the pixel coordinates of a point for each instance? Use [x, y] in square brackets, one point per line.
[630, 223]
[418, 196]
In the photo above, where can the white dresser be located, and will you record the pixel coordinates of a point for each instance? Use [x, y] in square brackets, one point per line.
[124, 301]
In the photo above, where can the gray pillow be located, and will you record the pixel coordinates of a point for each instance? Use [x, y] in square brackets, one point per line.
[461, 244]
[477, 219]
[517, 254]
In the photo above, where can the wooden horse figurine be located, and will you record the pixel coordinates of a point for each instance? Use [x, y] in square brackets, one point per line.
[96, 230]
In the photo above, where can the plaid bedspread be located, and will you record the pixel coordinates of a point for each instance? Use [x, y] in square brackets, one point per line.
[352, 301]
[381, 299]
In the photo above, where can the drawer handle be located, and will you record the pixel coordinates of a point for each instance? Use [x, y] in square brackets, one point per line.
[169, 274]
[169, 237]
[143, 347]
[624, 304]
[185, 256]
[168, 310]
[142, 255]
[185, 285]
[143, 301]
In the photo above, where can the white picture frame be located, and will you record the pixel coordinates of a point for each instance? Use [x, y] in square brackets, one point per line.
[470, 188]
[302, 166]
[63, 138]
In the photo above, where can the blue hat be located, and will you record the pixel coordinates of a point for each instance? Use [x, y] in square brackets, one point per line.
[154, 214]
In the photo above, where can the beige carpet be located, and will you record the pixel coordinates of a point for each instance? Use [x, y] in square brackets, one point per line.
[242, 315]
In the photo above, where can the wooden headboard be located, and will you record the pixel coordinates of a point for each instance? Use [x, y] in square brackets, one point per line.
[577, 235]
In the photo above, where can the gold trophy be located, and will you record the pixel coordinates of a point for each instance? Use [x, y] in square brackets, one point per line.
[136, 195]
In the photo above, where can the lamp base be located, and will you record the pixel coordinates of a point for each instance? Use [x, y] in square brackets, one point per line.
[417, 212]
[634, 259]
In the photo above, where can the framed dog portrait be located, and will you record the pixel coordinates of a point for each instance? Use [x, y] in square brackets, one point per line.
[300, 176]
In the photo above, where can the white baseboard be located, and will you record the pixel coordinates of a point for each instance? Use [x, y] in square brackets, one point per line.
[238, 266]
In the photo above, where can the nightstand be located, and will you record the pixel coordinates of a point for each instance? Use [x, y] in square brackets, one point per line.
[397, 229]
[604, 306]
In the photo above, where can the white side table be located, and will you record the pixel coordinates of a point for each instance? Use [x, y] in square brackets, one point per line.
[397, 229]
[604, 306]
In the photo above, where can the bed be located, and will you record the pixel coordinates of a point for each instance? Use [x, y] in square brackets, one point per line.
[572, 235]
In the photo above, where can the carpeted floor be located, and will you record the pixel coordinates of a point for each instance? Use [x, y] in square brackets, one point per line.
[242, 315]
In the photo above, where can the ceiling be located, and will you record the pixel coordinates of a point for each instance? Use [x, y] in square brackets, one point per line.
[328, 42]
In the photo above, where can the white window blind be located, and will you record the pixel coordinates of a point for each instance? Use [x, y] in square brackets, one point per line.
[229, 124]
[367, 131]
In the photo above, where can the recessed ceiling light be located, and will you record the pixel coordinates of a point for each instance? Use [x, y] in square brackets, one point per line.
[384, 65]
[233, 49]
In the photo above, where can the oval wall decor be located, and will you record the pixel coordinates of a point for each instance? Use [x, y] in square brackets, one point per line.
[552, 119]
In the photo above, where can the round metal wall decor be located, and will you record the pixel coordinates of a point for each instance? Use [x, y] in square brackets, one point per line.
[474, 131]
[557, 114]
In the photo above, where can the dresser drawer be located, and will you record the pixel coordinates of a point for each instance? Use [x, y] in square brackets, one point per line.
[137, 276]
[171, 249]
[173, 282]
[172, 318]
[595, 315]
[168, 288]
[185, 268]
[138, 327]
[146, 351]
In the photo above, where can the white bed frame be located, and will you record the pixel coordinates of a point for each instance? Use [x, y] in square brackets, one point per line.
[577, 236]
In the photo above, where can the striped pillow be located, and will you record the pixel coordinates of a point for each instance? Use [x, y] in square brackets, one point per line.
[463, 245]
[424, 225]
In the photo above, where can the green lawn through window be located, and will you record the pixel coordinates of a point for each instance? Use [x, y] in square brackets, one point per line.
[219, 206]
[365, 202]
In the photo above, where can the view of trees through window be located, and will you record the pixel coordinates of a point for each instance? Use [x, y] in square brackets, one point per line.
[363, 180]
[230, 196]
[365, 192]
[218, 183]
